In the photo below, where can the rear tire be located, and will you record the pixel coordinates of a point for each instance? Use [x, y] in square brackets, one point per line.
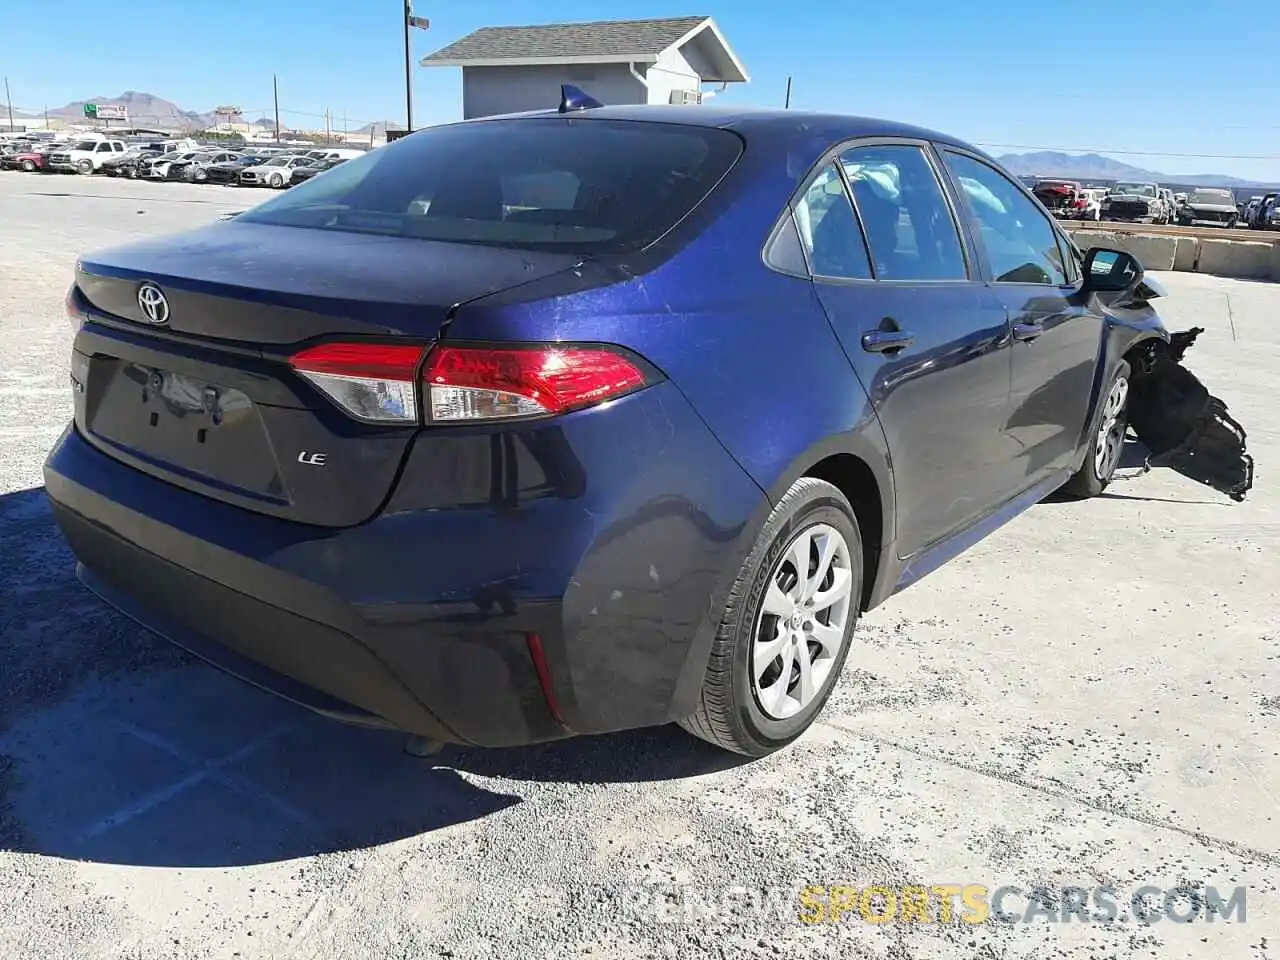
[783, 640]
[1106, 439]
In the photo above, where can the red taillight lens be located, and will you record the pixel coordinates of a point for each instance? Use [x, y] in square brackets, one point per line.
[370, 381]
[72, 307]
[478, 383]
[378, 383]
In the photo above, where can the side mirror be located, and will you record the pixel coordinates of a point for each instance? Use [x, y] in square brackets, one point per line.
[1114, 271]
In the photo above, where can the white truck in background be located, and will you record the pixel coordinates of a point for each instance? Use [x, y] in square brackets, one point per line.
[86, 154]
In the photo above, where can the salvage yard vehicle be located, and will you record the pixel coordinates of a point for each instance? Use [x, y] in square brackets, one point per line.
[1209, 205]
[304, 173]
[1060, 197]
[229, 171]
[597, 418]
[38, 159]
[196, 169]
[1136, 203]
[277, 172]
[86, 155]
[1266, 214]
[157, 167]
[30, 158]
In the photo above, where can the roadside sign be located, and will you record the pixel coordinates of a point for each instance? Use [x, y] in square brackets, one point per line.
[106, 111]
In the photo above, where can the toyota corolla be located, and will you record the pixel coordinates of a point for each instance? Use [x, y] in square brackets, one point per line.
[594, 419]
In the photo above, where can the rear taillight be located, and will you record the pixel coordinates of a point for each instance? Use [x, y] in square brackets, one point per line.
[372, 382]
[478, 383]
[71, 304]
[378, 383]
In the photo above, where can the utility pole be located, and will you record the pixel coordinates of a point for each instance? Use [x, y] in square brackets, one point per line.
[787, 105]
[420, 23]
[327, 138]
[8, 100]
[275, 86]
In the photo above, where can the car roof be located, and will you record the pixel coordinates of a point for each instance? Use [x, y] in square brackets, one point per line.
[753, 121]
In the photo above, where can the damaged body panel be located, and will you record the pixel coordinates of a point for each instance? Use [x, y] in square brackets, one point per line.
[1183, 425]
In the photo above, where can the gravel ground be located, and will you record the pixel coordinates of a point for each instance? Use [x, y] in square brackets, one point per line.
[1091, 697]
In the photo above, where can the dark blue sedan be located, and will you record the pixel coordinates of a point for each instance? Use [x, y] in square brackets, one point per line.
[589, 420]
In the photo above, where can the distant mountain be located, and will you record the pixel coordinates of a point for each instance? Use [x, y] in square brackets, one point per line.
[145, 109]
[379, 128]
[1093, 166]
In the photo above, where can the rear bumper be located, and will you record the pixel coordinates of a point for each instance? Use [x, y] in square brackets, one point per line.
[420, 620]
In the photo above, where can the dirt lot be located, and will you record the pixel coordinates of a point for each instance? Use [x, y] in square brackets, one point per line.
[1090, 698]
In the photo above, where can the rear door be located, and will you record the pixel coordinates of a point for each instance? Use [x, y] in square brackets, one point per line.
[928, 339]
[1057, 337]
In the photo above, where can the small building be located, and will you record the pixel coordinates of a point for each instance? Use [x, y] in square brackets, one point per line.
[512, 69]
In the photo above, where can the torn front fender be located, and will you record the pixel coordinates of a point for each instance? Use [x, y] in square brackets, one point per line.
[1182, 425]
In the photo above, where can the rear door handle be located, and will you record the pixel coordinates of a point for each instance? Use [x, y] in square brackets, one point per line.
[886, 341]
[1027, 332]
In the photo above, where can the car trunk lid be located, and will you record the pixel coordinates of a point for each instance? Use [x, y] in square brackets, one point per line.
[206, 398]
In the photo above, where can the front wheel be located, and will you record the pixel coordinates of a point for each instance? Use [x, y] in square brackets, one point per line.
[1106, 441]
[277, 181]
[787, 625]
[29, 166]
[84, 167]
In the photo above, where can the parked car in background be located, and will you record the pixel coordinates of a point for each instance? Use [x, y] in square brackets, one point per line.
[85, 156]
[196, 169]
[276, 172]
[518, 468]
[229, 171]
[33, 159]
[1211, 205]
[126, 164]
[334, 153]
[302, 174]
[1059, 196]
[1135, 203]
[157, 168]
[1264, 216]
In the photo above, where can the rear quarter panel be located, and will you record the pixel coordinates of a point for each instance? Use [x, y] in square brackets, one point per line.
[750, 348]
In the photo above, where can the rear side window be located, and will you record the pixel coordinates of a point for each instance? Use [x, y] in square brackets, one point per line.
[909, 225]
[828, 231]
[594, 186]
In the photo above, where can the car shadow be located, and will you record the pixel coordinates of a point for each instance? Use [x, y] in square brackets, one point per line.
[118, 748]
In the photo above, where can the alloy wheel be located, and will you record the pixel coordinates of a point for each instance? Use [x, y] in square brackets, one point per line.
[1111, 430]
[802, 622]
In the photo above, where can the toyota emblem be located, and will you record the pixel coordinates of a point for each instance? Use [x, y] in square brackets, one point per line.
[153, 303]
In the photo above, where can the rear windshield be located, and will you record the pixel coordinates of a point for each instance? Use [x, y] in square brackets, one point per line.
[592, 186]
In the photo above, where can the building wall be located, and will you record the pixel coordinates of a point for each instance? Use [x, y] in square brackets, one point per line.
[673, 71]
[492, 90]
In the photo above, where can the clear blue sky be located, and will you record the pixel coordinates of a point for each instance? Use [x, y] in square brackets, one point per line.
[994, 72]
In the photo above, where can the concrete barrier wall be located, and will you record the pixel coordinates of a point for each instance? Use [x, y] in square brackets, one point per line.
[1154, 253]
[1227, 258]
[1250, 259]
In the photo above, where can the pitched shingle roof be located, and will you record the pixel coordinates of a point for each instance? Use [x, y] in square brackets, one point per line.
[611, 39]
